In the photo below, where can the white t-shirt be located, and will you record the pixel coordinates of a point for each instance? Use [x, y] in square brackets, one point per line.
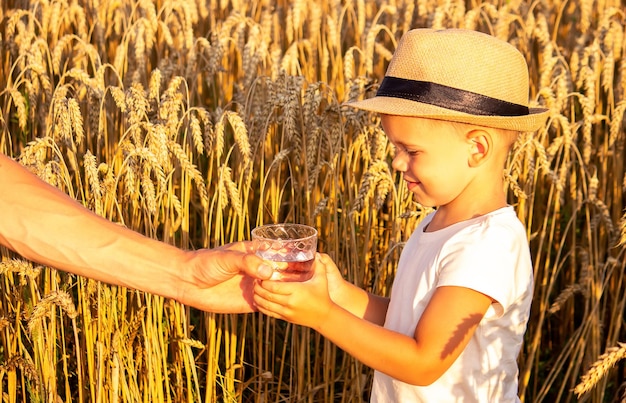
[489, 254]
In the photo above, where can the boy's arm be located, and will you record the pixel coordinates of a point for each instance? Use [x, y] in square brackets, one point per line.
[442, 333]
[362, 304]
[353, 299]
[43, 224]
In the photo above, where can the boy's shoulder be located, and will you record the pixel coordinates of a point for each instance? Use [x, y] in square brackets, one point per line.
[503, 221]
[499, 227]
[493, 233]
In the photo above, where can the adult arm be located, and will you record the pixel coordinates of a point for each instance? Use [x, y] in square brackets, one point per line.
[44, 225]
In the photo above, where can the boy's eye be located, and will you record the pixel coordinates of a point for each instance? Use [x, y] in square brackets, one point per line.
[400, 149]
[410, 152]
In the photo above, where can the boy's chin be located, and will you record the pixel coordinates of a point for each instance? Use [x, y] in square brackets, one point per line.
[422, 203]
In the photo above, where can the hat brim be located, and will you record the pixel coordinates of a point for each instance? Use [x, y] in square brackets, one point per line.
[403, 107]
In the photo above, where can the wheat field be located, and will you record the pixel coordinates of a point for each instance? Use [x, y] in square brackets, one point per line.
[195, 121]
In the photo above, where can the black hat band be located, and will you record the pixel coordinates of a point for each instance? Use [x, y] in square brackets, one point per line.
[448, 97]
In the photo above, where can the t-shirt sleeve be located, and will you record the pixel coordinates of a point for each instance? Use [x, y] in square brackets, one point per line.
[493, 260]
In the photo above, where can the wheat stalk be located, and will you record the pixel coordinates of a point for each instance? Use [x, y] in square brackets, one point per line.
[599, 369]
[237, 104]
[43, 308]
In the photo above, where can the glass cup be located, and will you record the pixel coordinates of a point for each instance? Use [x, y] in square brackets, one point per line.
[292, 244]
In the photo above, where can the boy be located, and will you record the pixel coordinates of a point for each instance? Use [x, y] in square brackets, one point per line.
[452, 103]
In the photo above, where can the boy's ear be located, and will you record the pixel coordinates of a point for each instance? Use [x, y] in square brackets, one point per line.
[480, 143]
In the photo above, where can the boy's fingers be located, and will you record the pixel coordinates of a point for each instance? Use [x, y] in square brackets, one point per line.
[261, 290]
[269, 313]
[324, 259]
[267, 296]
[264, 302]
[277, 287]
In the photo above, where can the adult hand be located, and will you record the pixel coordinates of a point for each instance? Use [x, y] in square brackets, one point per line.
[222, 279]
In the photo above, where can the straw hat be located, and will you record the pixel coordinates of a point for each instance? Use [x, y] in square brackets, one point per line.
[457, 75]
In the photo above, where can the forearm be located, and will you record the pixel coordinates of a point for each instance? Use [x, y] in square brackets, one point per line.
[394, 354]
[43, 224]
[361, 303]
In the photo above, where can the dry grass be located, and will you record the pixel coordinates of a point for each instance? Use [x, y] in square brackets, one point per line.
[193, 122]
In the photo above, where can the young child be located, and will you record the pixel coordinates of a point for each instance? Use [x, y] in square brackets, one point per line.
[452, 103]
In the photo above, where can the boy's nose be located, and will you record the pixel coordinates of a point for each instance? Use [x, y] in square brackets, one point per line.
[399, 161]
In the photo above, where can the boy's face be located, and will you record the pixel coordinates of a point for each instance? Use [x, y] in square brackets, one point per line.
[433, 157]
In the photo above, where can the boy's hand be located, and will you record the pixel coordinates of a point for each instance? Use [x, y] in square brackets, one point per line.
[304, 303]
[334, 278]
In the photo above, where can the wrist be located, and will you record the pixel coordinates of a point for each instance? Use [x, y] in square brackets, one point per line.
[328, 320]
[183, 275]
[342, 294]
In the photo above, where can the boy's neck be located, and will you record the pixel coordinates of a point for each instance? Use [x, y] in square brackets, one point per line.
[459, 211]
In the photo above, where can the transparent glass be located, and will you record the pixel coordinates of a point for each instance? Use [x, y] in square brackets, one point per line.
[292, 244]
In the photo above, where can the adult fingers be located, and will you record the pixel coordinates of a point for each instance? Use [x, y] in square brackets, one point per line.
[256, 267]
[240, 246]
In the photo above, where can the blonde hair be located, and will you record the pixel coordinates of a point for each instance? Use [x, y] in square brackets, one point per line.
[508, 137]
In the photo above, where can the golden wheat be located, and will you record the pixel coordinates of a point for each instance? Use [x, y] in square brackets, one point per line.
[600, 367]
[193, 121]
